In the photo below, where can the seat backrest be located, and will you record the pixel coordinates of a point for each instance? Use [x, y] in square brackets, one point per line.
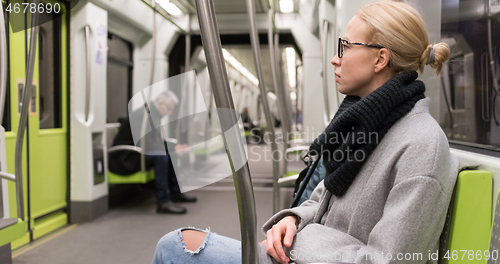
[111, 131]
[468, 224]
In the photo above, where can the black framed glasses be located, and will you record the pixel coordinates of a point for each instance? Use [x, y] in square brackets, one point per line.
[342, 42]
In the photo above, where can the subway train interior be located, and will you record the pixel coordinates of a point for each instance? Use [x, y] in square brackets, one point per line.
[90, 62]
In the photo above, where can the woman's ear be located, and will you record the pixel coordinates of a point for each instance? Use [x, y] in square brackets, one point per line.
[382, 60]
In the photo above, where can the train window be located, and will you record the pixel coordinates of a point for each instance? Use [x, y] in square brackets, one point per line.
[470, 93]
[50, 73]
[120, 65]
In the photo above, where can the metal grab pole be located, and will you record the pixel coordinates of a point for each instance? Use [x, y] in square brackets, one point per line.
[324, 40]
[88, 68]
[182, 126]
[223, 99]
[254, 38]
[23, 120]
[147, 99]
[3, 63]
[282, 102]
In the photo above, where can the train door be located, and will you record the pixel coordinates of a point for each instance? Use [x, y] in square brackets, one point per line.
[48, 131]
[45, 168]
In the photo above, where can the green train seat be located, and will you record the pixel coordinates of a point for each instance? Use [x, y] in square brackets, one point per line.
[11, 229]
[468, 224]
[139, 177]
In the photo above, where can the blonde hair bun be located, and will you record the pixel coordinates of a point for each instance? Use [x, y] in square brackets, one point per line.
[436, 60]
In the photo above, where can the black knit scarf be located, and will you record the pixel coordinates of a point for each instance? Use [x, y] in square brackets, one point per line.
[360, 124]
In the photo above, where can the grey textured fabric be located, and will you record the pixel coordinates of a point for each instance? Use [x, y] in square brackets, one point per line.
[397, 204]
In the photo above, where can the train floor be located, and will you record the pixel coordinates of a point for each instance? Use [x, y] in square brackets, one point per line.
[128, 233]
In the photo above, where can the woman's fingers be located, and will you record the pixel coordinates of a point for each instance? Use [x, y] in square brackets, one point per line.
[291, 230]
[270, 248]
[278, 234]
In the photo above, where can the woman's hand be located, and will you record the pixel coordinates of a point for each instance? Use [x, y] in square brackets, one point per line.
[284, 231]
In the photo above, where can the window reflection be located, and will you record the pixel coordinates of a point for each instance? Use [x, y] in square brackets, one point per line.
[470, 79]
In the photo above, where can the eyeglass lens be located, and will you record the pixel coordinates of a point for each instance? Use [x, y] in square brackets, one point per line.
[340, 50]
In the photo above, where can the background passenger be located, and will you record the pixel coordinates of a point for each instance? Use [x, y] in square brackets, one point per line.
[127, 162]
[389, 178]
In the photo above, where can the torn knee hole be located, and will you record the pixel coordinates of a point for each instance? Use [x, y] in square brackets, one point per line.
[192, 240]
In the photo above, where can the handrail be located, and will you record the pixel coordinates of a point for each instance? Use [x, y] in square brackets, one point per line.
[181, 126]
[281, 102]
[88, 75]
[295, 149]
[493, 71]
[448, 106]
[254, 39]
[223, 100]
[3, 63]
[146, 117]
[7, 176]
[282, 96]
[299, 141]
[324, 42]
[485, 88]
[23, 120]
[171, 140]
[124, 147]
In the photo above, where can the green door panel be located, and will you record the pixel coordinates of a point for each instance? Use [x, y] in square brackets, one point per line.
[47, 172]
[48, 147]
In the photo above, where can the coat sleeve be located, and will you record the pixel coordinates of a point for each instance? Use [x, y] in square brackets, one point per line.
[412, 221]
[305, 212]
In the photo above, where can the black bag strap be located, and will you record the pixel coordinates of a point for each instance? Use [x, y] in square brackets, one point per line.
[301, 183]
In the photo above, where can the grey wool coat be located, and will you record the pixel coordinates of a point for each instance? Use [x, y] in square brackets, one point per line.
[395, 209]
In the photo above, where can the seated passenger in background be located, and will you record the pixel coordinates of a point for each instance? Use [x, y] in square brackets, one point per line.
[128, 162]
[245, 118]
[387, 185]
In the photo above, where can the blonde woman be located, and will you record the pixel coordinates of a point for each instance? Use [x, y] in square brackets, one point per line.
[389, 172]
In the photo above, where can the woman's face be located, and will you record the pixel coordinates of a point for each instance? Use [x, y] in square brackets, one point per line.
[355, 70]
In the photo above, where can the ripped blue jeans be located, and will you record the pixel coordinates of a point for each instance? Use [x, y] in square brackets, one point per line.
[214, 249]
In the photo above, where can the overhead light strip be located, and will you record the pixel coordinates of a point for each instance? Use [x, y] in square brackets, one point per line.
[171, 8]
[239, 67]
[286, 6]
